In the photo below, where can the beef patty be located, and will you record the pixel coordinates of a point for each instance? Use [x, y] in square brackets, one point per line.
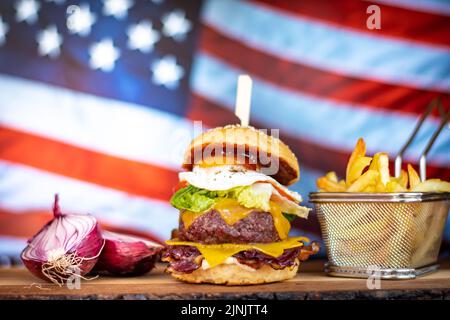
[210, 228]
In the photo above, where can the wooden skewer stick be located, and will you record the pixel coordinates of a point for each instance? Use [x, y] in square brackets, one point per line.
[243, 99]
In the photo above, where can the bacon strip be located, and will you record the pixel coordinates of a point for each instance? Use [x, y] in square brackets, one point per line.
[186, 259]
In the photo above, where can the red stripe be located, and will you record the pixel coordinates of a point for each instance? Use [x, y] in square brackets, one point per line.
[126, 175]
[396, 22]
[310, 155]
[27, 223]
[309, 80]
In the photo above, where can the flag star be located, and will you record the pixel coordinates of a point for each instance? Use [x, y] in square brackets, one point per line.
[167, 72]
[176, 25]
[80, 19]
[142, 36]
[117, 8]
[3, 31]
[103, 55]
[27, 10]
[49, 42]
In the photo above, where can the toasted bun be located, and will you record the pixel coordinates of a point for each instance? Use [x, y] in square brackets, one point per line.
[236, 274]
[250, 140]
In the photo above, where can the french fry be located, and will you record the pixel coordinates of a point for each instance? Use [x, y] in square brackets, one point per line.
[380, 187]
[370, 189]
[414, 179]
[394, 186]
[377, 177]
[332, 176]
[403, 179]
[375, 161]
[359, 151]
[383, 168]
[432, 185]
[329, 186]
[380, 163]
[366, 179]
[357, 169]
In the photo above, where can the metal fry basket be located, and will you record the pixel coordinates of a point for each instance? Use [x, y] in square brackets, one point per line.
[397, 235]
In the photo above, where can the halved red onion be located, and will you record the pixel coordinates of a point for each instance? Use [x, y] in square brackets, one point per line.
[127, 255]
[68, 245]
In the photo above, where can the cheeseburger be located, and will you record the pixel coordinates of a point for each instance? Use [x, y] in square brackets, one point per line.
[236, 211]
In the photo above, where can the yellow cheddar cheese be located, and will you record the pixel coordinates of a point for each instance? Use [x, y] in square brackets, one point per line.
[216, 254]
[231, 212]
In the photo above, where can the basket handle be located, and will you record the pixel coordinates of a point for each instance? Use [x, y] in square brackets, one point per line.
[423, 157]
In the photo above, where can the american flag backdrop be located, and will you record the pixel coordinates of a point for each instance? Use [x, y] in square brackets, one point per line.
[98, 98]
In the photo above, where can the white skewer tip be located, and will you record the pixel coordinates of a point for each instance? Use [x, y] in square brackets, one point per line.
[243, 99]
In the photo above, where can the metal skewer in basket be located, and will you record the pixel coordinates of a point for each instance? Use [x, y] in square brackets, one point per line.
[397, 234]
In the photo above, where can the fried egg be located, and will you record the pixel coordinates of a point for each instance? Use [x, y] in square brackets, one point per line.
[229, 176]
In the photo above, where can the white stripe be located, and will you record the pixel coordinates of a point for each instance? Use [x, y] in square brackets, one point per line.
[441, 7]
[335, 49]
[109, 126]
[324, 121]
[11, 247]
[23, 188]
[18, 192]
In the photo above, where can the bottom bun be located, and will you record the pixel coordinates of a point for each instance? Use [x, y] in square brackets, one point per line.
[236, 274]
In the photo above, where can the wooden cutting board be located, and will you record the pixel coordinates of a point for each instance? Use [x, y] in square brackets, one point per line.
[310, 283]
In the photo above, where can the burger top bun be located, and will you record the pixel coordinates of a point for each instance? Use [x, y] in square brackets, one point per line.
[264, 152]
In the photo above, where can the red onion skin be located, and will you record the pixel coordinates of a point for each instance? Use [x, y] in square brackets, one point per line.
[127, 259]
[88, 248]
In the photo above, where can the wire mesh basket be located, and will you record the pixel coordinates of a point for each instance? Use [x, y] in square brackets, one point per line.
[398, 233]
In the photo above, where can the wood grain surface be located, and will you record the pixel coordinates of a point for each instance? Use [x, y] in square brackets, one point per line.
[310, 283]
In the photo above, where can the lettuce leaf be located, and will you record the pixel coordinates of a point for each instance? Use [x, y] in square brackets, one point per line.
[198, 200]
[193, 199]
[290, 217]
[250, 197]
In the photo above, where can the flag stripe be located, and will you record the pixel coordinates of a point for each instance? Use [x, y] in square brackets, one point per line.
[333, 49]
[440, 7]
[116, 210]
[25, 189]
[303, 78]
[423, 27]
[319, 157]
[10, 227]
[86, 165]
[312, 118]
[108, 126]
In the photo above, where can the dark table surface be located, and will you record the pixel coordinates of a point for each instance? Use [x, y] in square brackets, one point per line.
[310, 283]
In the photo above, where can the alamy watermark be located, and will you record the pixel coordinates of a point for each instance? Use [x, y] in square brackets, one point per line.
[74, 280]
[373, 282]
[374, 20]
[261, 150]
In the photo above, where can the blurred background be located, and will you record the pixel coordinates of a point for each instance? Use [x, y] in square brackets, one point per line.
[98, 98]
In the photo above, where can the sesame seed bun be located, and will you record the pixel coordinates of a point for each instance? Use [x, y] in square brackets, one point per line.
[254, 143]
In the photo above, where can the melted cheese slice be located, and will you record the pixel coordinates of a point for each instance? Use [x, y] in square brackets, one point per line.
[216, 254]
[231, 212]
